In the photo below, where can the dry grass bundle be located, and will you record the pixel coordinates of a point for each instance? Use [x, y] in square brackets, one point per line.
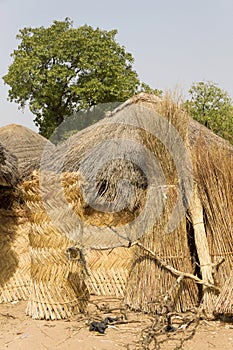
[108, 269]
[58, 287]
[224, 304]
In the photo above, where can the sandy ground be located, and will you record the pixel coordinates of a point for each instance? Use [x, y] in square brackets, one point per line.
[21, 332]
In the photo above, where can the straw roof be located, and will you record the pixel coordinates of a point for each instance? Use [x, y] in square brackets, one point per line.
[26, 145]
[112, 153]
[8, 168]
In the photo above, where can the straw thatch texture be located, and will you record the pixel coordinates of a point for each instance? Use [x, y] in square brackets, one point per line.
[148, 281]
[8, 168]
[58, 287]
[109, 271]
[224, 304]
[26, 145]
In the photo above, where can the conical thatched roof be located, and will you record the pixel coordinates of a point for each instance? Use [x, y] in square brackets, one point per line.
[25, 144]
[8, 168]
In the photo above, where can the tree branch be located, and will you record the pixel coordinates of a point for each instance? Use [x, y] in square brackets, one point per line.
[174, 271]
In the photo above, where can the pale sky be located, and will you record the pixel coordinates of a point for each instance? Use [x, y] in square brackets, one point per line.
[173, 42]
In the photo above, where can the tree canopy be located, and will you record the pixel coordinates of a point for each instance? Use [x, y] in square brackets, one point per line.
[211, 106]
[61, 70]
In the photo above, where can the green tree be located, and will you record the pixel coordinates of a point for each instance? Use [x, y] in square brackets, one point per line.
[211, 106]
[61, 70]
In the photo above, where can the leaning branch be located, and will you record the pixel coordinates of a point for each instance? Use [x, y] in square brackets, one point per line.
[174, 271]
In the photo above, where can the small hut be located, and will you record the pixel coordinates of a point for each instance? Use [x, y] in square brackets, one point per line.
[26, 145]
[147, 173]
[119, 184]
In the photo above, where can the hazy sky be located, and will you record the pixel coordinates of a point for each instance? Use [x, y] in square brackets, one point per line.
[173, 42]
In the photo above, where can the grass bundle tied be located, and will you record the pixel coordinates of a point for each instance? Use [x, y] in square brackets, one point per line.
[58, 287]
[149, 281]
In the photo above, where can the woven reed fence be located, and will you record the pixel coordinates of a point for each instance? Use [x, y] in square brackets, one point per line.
[109, 271]
[58, 287]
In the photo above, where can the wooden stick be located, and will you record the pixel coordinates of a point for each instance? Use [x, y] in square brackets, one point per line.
[174, 271]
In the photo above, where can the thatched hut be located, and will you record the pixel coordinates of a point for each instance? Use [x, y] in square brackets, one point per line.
[26, 145]
[8, 168]
[146, 172]
[99, 209]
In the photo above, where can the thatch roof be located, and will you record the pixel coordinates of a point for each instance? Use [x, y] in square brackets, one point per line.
[8, 168]
[119, 151]
[25, 144]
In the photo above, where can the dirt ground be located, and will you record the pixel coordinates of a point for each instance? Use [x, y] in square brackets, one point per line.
[21, 332]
